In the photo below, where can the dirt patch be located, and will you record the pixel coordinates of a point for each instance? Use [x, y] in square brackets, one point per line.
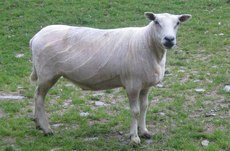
[185, 78]
[156, 100]
[10, 143]
[112, 96]
[191, 98]
[227, 48]
[196, 113]
[209, 128]
[118, 135]
[93, 122]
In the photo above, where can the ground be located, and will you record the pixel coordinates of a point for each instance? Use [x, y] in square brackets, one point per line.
[190, 110]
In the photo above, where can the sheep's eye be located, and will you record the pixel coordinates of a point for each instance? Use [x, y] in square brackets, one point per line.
[157, 23]
[177, 24]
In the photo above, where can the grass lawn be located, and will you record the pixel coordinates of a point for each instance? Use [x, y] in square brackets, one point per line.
[179, 117]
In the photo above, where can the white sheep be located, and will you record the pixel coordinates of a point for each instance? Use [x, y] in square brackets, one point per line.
[97, 59]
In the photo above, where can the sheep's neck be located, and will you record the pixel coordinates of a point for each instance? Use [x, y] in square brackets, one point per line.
[155, 47]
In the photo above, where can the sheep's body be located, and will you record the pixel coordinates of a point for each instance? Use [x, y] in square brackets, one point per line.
[96, 59]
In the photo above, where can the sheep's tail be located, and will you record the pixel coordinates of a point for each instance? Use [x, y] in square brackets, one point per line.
[33, 75]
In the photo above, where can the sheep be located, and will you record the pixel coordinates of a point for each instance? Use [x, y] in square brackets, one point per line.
[97, 59]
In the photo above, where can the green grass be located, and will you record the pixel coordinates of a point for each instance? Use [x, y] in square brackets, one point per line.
[202, 54]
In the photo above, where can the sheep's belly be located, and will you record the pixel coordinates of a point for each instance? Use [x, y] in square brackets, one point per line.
[98, 84]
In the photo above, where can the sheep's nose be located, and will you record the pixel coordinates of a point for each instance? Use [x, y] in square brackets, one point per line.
[169, 39]
[169, 42]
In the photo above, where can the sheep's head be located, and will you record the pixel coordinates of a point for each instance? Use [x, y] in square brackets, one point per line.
[165, 27]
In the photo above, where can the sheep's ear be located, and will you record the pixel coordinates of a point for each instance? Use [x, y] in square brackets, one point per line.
[150, 16]
[184, 17]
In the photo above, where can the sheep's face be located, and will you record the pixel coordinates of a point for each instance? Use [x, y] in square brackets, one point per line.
[165, 27]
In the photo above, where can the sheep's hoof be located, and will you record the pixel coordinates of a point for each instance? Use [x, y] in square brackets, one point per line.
[37, 124]
[146, 135]
[135, 141]
[48, 132]
[33, 118]
[38, 127]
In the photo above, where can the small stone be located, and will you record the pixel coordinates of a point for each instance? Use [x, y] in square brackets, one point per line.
[91, 139]
[55, 149]
[99, 103]
[98, 94]
[199, 90]
[160, 85]
[227, 88]
[120, 133]
[162, 114]
[20, 87]
[210, 114]
[197, 81]
[84, 114]
[173, 125]
[149, 141]
[69, 85]
[182, 71]
[20, 55]
[205, 143]
[67, 103]
[57, 125]
[221, 34]
[209, 81]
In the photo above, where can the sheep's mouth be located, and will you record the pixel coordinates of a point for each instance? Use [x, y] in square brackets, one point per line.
[168, 45]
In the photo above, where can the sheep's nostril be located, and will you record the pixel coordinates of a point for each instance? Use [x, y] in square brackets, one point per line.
[169, 39]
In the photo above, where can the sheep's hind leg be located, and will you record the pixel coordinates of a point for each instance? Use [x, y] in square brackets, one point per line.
[40, 117]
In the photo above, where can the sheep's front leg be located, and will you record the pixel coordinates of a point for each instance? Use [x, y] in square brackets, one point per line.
[143, 131]
[133, 96]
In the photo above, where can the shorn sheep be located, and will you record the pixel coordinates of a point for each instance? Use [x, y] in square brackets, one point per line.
[97, 59]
